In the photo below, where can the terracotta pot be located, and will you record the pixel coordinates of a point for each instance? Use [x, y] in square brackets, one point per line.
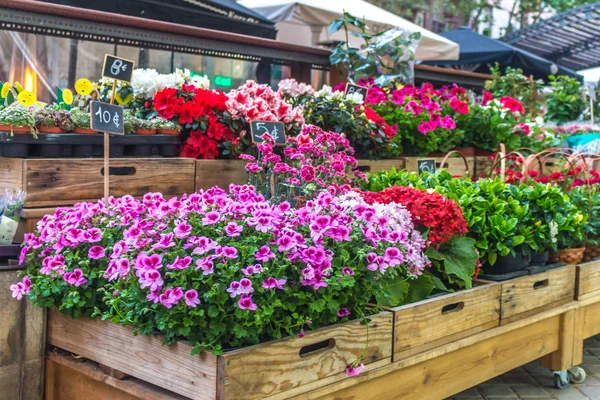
[50, 129]
[141, 131]
[84, 131]
[571, 256]
[172, 132]
[4, 128]
[20, 129]
[591, 252]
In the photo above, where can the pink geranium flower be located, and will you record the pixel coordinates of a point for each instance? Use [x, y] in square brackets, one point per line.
[354, 371]
[246, 303]
[96, 252]
[191, 298]
[233, 230]
[171, 297]
[272, 283]
[75, 278]
[264, 254]
[182, 230]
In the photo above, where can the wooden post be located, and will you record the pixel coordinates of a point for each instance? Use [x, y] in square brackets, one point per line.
[107, 151]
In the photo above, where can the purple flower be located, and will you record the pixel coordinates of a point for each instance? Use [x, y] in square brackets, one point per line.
[264, 254]
[75, 278]
[372, 262]
[227, 252]
[301, 334]
[271, 283]
[233, 230]
[206, 264]
[252, 269]
[96, 252]
[180, 263]
[285, 243]
[182, 230]
[152, 279]
[246, 303]
[211, 218]
[234, 289]
[343, 312]
[354, 371]
[23, 255]
[171, 297]
[191, 298]
[393, 256]
[347, 271]
[246, 286]
[21, 288]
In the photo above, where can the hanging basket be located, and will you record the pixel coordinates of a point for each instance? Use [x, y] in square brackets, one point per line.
[591, 252]
[571, 256]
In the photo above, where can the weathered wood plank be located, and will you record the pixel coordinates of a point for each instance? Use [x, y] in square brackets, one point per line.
[63, 182]
[70, 379]
[221, 173]
[267, 369]
[562, 359]
[588, 279]
[143, 357]
[450, 373]
[591, 320]
[527, 293]
[11, 173]
[431, 323]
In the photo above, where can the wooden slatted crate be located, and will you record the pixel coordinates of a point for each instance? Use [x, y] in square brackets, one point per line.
[255, 372]
[588, 280]
[220, 173]
[422, 326]
[375, 166]
[454, 165]
[527, 295]
[64, 182]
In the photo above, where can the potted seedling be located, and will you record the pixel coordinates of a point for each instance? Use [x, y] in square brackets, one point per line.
[17, 120]
[50, 120]
[130, 122]
[81, 120]
[145, 127]
[165, 126]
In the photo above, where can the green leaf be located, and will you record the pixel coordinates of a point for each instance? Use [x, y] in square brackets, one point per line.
[394, 293]
[335, 25]
[492, 257]
[419, 289]
[459, 257]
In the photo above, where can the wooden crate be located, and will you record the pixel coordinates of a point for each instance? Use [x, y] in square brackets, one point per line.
[220, 173]
[454, 165]
[21, 342]
[434, 322]
[588, 280]
[28, 222]
[253, 372]
[375, 166]
[63, 182]
[531, 294]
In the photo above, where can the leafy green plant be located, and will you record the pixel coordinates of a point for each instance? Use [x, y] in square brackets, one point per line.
[514, 84]
[130, 122]
[161, 123]
[81, 119]
[143, 123]
[49, 118]
[565, 102]
[17, 117]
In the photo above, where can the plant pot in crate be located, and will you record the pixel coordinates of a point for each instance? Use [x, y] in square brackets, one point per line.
[508, 264]
[14, 150]
[143, 131]
[172, 132]
[571, 256]
[16, 129]
[539, 259]
[50, 129]
[84, 131]
[591, 252]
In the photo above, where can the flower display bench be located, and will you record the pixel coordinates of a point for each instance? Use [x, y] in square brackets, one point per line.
[587, 318]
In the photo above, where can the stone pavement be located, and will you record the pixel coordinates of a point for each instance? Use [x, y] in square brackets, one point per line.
[532, 382]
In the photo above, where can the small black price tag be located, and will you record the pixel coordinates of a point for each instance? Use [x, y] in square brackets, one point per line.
[275, 129]
[106, 117]
[117, 68]
[426, 165]
[352, 88]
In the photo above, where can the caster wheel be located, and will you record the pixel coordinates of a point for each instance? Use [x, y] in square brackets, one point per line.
[561, 380]
[577, 375]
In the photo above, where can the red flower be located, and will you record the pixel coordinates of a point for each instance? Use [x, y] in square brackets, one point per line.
[512, 104]
[441, 216]
[487, 97]
[460, 107]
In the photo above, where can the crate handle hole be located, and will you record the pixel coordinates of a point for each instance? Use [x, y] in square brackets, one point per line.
[540, 284]
[454, 307]
[364, 168]
[311, 349]
[120, 171]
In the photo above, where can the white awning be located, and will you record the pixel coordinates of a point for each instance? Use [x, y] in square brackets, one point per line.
[305, 22]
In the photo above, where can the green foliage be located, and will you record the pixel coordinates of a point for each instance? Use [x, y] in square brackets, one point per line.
[81, 118]
[565, 103]
[486, 126]
[455, 261]
[518, 86]
[17, 117]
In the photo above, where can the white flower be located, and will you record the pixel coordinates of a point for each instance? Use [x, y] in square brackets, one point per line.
[144, 82]
[356, 98]
[200, 81]
[553, 231]
[325, 92]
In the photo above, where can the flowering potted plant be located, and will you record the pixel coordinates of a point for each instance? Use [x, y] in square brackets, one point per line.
[49, 120]
[18, 120]
[165, 126]
[145, 127]
[81, 121]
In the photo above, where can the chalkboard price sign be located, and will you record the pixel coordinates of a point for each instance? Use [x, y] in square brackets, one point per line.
[426, 165]
[117, 68]
[275, 129]
[351, 89]
[106, 117]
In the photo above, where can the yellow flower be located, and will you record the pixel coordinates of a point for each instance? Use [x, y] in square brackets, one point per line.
[18, 87]
[399, 86]
[125, 100]
[538, 223]
[67, 96]
[579, 218]
[27, 98]
[83, 86]
[5, 89]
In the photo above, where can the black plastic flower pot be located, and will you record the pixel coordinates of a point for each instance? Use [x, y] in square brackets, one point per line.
[539, 259]
[83, 150]
[169, 150]
[51, 150]
[15, 150]
[509, 263]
